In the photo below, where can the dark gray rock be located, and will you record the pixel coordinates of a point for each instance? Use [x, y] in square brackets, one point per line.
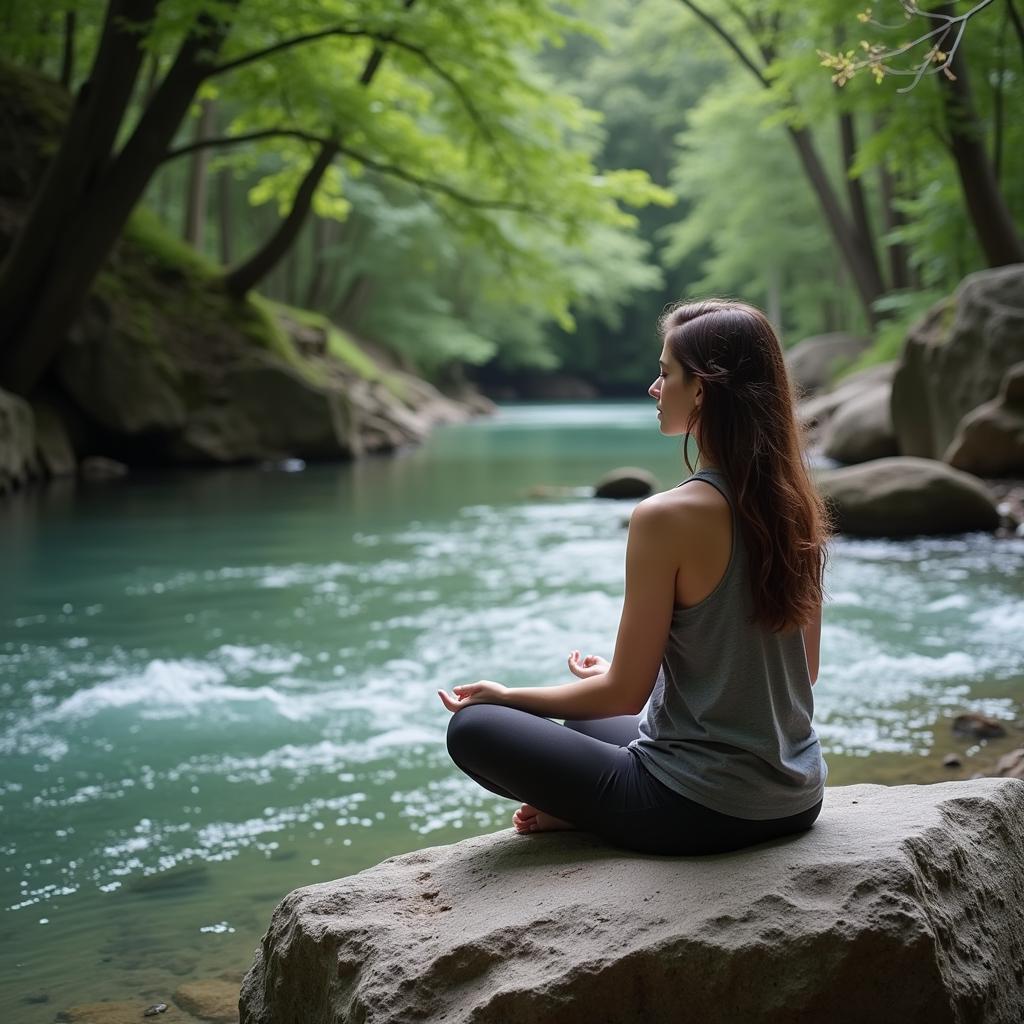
[53, 445]
[904, 497]
[861, 428]
[903, 903]
[813, 362]
[989, 440]
[626, 482]
[955, 357]
[18, 462]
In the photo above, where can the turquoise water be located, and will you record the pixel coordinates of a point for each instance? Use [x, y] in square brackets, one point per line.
[218, 686]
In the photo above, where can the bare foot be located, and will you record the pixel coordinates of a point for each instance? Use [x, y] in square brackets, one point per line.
[529, 819]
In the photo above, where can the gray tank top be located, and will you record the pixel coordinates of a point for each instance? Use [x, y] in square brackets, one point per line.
[728, 723]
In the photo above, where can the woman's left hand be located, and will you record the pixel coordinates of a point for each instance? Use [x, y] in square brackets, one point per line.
[483, 691]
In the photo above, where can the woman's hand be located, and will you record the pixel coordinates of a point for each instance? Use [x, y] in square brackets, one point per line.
[591, 665]
[483, 691]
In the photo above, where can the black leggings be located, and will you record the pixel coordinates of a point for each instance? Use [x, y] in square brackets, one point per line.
[584, 773]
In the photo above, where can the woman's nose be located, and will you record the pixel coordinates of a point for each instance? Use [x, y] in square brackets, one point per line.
[653, 390]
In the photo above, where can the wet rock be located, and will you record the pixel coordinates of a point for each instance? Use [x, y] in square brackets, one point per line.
[815, 412]
[97, 468]
[1011, 765]
[53, 445]
[892, 883]
[813, 362]
[989, 440]
[18, 462]
[976, 726]
[904, 497]
[955, 358]
[951, 761]
[861, 429]
[152, 1011]
[626, 482]
[36, 998]
[214, 999]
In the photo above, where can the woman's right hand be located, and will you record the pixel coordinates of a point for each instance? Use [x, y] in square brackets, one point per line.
[585, 667]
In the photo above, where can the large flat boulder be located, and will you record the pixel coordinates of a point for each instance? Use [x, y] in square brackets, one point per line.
[907, 497]
[903, 903]
[955, 357]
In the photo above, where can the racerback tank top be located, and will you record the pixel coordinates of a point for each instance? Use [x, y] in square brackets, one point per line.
[728, 723]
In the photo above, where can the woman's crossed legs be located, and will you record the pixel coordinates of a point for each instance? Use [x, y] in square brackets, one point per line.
[583, 775]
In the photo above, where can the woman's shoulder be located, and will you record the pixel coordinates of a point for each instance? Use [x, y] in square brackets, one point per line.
[693, 509]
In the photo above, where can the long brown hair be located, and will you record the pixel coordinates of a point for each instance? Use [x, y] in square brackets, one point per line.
[747, 428]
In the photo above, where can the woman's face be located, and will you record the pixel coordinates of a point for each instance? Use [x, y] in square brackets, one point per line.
[677, 394]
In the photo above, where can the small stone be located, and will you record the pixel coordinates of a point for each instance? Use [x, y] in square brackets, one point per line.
[951, 761]
[974, 725]
[153, 1010]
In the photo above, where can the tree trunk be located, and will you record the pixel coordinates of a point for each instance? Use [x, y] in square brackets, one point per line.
[225, 217]
[321, 236]
[864, 236]
[892, 218]
[86, 196]
[989, 213]
[67, 64]
[859, 260]
[195, 196]
[240, 280]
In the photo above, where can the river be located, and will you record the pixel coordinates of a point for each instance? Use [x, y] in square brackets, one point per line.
[218, 686]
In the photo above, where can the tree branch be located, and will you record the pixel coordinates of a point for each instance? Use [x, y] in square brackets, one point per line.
[728, 39]
[391, 170]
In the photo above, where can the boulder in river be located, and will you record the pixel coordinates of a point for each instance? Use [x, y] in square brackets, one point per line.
[813, 362]
[902, 903]
[906, 497]
[814, 413]
[861, 428]
[955, 358]
[211, 999]
[626, 482]
[17, 442]
[989, 440]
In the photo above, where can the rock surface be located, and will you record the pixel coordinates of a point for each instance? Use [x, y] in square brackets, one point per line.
[861, 428]
[955, 358]
[903, 903]
[906, 497]
[17, 442]
[989, 440]
[213, 999]
[813, 362]
[626, 482]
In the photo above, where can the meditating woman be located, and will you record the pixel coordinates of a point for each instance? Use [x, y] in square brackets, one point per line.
[697, 737]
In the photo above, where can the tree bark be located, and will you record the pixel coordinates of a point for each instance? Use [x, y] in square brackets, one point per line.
[321, 238]
[892, 218]
[864, 236]
[87, 194]
[225, 217]
[195, 197]
[67, 64]
[240, 280]
[993, 224]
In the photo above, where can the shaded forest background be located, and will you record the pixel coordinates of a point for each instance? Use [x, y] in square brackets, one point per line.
[518, 188]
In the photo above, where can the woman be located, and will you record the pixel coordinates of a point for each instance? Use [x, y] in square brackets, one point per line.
[697, 736]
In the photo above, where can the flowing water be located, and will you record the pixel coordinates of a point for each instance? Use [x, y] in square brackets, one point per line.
[218, 686]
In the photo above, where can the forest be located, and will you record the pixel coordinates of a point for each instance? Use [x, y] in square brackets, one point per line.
[488, 191]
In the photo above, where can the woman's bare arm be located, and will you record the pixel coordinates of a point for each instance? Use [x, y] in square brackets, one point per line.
[812, 645]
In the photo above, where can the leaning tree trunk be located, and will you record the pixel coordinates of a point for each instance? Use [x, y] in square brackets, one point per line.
[245, 277]
[195, 195]
[87, 194]
[990, 216]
